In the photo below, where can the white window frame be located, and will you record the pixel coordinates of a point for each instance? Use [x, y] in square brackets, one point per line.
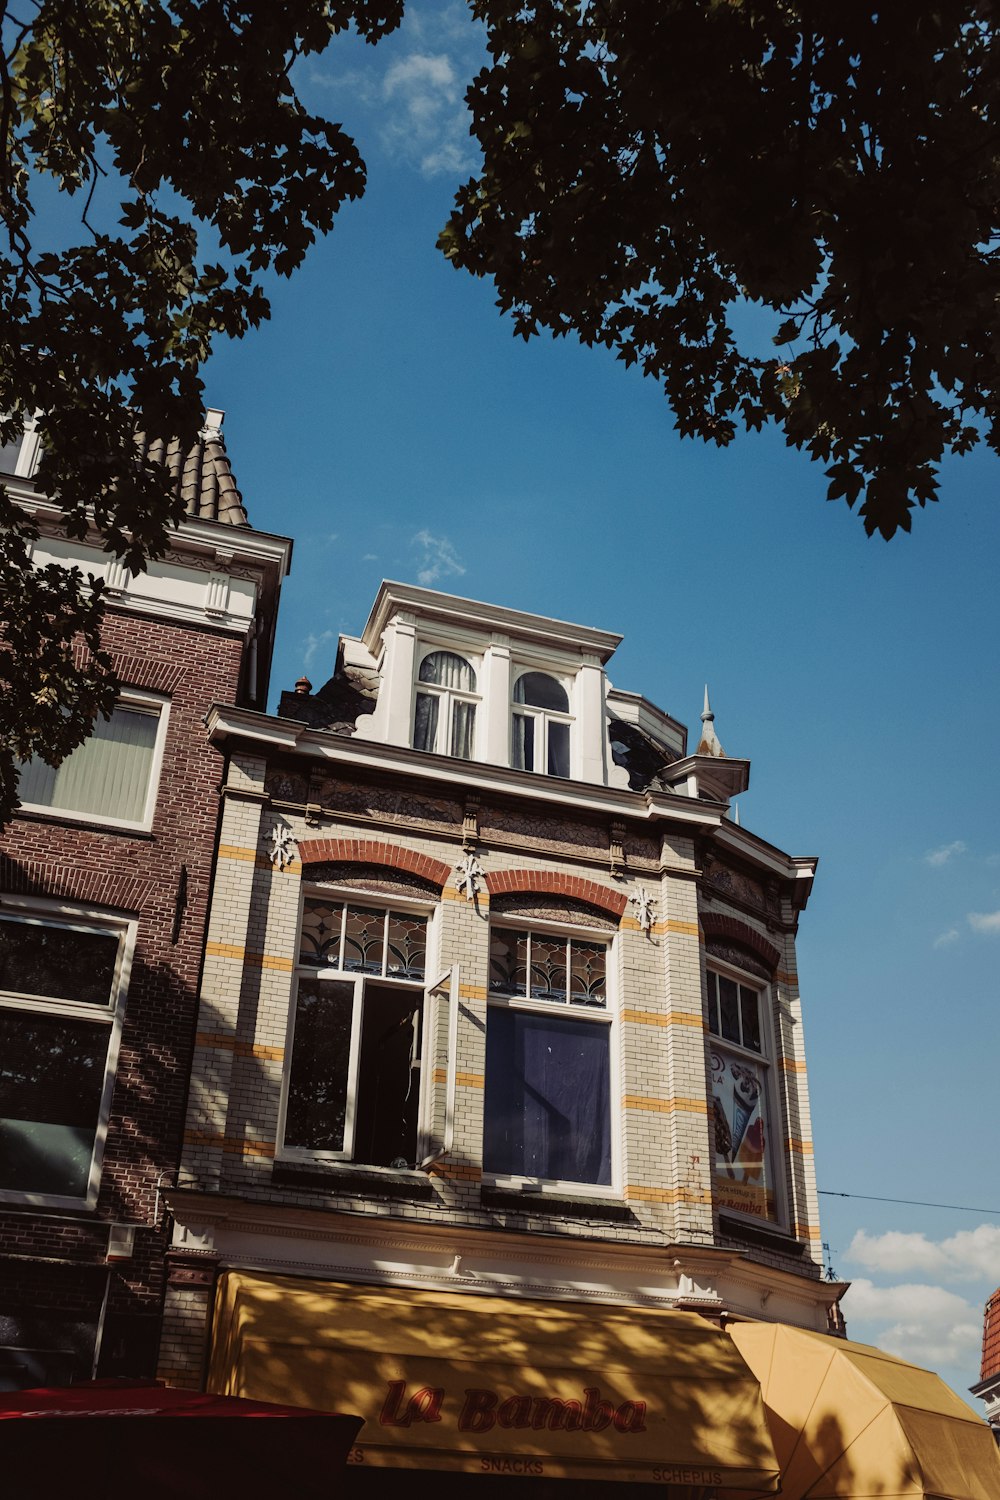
[766, 1061]
[80, 919]
[448, 697]
[595, 1015]
[376, 901]
[29, 448]
[127, 698]
[542, 717]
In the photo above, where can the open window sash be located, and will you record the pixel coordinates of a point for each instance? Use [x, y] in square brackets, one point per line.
[440, 998]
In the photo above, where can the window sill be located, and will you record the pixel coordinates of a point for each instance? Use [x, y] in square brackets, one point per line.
[760, 1237]
[88, 825]
[554, 1205]
[354, 1182]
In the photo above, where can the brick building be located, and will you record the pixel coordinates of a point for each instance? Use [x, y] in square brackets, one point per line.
[499, 1029]
[104, 889]
[988, 1386]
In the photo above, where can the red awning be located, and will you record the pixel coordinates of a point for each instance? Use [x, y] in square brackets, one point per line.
[123, 1443]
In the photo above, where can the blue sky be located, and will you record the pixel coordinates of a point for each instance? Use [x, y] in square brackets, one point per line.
[388, 420]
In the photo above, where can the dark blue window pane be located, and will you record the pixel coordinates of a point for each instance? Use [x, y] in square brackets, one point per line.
[558, 749]
[51, 1081]
[539, 690]
[548, 1107]
[317, 1083]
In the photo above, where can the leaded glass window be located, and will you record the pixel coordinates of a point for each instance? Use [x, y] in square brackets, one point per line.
[536, 966]
[339, 934]
[547, 1095]
[352, 1088]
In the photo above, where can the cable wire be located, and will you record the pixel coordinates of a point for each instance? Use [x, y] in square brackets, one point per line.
[961, 1208]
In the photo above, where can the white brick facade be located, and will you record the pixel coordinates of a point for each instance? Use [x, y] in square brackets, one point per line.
[363, 814]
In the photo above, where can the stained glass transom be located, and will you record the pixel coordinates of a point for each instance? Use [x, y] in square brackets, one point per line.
[539, 966]
[362, 940]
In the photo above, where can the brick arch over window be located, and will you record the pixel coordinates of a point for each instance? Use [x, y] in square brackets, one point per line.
[729, 930]
[502, 882]
[373, 852]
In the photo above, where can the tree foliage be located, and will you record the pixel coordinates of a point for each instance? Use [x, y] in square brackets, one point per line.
[670, 177]
[182, 116]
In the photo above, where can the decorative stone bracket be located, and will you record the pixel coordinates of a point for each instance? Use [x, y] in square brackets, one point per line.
[282, 848]
[468, 876]
[645, 908]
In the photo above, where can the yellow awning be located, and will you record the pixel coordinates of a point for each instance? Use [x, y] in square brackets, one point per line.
[502, 1386]
[848, 1420]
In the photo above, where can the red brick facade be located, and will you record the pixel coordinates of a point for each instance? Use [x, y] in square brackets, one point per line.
[991, 1338]
[373, 852]
[729, 929]
[505, 882]
[162, 878]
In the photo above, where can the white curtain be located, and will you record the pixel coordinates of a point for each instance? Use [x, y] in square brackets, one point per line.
[463, 721]
[107, 776]
[445, 669]
[523, 743]
[425, 722]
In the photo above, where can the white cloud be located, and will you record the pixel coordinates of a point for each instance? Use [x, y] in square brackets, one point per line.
[944, 938]
[962, 1256]
[427, 123]
[415, 87]
[438, 558]
[926, 1324]
[984, 921]
[945, 853]
[313, 643]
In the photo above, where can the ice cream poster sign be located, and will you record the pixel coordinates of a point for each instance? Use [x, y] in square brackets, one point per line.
[739, 1105]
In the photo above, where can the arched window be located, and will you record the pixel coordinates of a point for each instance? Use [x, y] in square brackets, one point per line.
[445, 717]
[540, 722]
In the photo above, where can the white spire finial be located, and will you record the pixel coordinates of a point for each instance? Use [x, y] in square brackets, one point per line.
[709, 742]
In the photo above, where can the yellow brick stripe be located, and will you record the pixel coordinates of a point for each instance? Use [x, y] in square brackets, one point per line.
[665, 1106]
[464, 1080]
[783, 978]
[792, 1065]
[231, 1145]
[261, 861]
[250, 958]
[806, 1231]
[665, 1195]
[455, 1171]
[451, 894]
[233, 851]
[224, 1043]
[472, 991]
[805, 1148]
[224, 950]
[660, 1018]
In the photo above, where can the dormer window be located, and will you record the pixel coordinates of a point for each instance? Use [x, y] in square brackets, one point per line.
[540, 722]
[445, 716]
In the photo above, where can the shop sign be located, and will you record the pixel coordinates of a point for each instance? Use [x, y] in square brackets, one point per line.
[483, 1408]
